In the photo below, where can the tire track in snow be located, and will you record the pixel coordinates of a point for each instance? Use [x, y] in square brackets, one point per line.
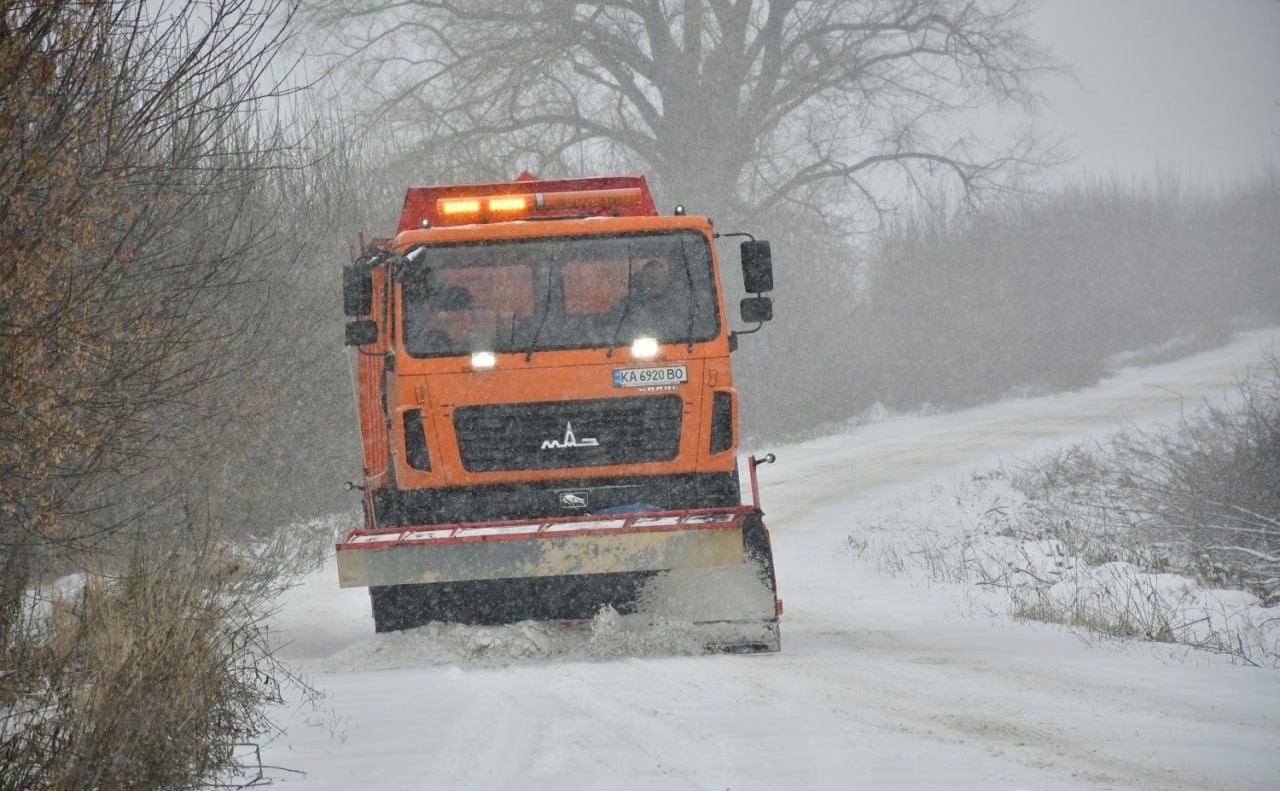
[947, 700]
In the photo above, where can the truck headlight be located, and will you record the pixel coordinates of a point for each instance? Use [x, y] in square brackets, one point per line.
[644, 348]
[483, 360]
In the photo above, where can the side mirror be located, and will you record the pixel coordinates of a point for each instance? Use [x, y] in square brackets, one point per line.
[757, 266]
[357, 289]
[362, 333]
[757, 309]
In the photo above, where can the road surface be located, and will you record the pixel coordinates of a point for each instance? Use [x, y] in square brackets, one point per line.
[884, 682]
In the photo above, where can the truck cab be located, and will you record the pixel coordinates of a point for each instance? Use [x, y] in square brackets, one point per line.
[547, 406]
[530, 361]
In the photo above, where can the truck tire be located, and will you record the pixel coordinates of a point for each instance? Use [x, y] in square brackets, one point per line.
[495, 602]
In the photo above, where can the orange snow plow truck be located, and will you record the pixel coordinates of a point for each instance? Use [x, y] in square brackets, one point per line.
[548, 414]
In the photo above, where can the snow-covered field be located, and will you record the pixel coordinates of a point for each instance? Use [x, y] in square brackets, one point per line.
[885, 680]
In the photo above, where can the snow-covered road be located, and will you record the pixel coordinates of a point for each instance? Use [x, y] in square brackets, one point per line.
[883, 681]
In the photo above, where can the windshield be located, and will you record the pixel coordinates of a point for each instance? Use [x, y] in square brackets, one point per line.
[559, 293]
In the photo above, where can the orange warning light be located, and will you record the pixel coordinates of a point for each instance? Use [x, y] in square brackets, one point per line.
[459, 206]
[483, 206]
[509, 203]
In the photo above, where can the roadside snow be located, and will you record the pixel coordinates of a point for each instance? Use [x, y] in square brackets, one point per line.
[966, 532]
[885, 680]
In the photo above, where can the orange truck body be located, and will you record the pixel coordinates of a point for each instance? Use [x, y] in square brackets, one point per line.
[500, 408]
[439, 385]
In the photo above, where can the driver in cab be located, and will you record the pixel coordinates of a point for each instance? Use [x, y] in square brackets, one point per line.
[652, 297]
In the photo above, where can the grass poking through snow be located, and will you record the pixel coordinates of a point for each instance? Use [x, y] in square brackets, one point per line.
[1170, 536]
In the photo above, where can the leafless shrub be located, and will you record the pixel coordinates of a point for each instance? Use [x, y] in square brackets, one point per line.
[1164, 536]
[130, 285]
[135, 315]
[1035, 295]
[1120, 599]
[1202, 500]
[150, 680]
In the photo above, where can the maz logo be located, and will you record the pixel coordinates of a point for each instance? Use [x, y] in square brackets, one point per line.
[569, 441]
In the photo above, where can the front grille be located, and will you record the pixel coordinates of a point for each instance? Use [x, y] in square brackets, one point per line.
[568, 434]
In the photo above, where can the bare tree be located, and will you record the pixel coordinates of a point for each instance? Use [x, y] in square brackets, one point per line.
[131, 146]
[741, 105]
[134, 296]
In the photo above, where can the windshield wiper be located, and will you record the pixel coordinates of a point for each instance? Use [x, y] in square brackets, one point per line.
[419, 276]
[688, 276]
[546, 308]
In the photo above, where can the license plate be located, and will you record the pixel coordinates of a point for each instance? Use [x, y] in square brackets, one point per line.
[652, 376]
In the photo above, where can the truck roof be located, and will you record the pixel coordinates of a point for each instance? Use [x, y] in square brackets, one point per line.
[478, 232]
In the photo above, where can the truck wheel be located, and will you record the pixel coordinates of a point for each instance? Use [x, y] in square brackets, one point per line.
[395, 607]
[493, 602]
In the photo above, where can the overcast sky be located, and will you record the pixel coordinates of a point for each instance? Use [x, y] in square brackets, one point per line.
[1191, 85]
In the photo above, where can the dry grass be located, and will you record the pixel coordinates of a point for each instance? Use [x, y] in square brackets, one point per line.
[1201, 500]
[1169, 536]
[149, 680]
[1149, 533]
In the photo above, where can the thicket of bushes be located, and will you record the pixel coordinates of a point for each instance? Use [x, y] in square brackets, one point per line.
[954, 308]
[139, 344]
[1202, 499]
[1170, 535]
[150, 681]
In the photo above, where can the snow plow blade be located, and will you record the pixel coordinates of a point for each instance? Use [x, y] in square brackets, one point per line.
[707, 567]
[542, 548]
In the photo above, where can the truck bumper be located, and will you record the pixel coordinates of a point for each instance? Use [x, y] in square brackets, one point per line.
[565, 546]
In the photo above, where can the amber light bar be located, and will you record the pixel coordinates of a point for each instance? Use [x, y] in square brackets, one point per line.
[509, 204]
[463, 206]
